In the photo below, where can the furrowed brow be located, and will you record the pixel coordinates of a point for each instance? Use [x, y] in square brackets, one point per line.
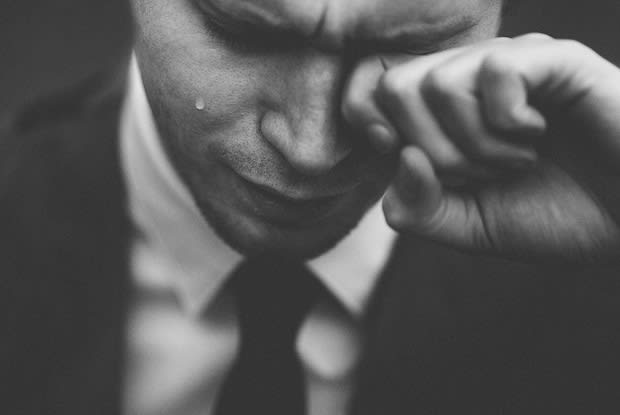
[408, 38]
[248, 19]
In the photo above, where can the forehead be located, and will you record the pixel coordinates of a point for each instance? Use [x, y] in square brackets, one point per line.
[337, 20]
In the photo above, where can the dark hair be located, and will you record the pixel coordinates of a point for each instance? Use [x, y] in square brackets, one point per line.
[507, 5]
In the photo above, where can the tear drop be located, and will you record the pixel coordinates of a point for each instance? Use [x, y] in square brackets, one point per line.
[200, 104]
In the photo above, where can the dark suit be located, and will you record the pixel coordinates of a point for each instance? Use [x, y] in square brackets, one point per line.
[446, 333]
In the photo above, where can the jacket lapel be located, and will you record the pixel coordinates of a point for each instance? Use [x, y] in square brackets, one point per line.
[65, 257]
[453, 333]
[440, 330]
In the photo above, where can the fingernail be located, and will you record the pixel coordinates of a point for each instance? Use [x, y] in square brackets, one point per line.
[381, 138]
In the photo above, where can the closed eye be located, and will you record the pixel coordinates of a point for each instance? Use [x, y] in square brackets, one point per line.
[247, 38]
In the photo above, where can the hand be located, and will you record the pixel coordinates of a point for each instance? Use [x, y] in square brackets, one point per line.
[507, 147]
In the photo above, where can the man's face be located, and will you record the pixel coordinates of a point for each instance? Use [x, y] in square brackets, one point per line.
[246, 95]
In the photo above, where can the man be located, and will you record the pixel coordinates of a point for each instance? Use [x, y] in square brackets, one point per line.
[275, 127]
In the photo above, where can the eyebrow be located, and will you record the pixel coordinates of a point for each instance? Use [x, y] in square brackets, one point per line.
[261, 23]
[252, 19]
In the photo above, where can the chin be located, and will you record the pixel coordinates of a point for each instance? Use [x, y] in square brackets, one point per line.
[253, 237]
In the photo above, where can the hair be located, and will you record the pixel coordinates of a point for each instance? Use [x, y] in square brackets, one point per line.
[508, 5]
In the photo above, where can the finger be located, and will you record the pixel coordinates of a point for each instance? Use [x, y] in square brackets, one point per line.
[449, 89]
[533, 36]
[417, 203]
[552, 71]
[505, 100]
[360, 110]
[569, 78]
[459, 114]
[399, 95]
[414, 198]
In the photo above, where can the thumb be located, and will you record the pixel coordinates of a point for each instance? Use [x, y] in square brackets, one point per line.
[417, 203]
[414, 198]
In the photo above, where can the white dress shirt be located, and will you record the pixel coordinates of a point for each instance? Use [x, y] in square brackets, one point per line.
[182, 334]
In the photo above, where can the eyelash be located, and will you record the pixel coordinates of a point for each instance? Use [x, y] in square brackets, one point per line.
[264, 43]
[247, 42]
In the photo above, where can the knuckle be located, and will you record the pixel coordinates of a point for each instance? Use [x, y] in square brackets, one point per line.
[440, 84]
[574, 47]
[535, 36]
[393, 84]
[497, 64]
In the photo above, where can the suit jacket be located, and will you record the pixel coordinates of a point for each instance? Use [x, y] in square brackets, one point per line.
[445, 332]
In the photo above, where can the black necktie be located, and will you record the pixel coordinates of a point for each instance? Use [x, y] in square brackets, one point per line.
[273, 297]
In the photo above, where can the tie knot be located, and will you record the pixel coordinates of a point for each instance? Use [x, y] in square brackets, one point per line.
[273, 296]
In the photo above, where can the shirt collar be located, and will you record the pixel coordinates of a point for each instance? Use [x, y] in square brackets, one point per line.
[164, 211]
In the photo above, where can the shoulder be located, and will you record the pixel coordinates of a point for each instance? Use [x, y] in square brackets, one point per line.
[51, 120]
[58, 159]
[64, 231]
[53, 128]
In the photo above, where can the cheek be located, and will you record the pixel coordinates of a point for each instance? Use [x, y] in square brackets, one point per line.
[195, 87]
[205, 101]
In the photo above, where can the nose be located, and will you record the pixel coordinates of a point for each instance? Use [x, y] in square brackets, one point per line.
[303, 124]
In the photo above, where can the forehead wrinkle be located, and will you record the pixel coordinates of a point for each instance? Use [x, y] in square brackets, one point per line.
[333, 24]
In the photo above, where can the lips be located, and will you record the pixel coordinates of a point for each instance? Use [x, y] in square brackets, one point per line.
[300, 199]
[288, 208]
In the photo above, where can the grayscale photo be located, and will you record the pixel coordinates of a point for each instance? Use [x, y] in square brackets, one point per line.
[296, 207]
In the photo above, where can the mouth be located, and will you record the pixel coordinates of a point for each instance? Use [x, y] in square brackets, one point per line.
[290, 197]
[289, 208]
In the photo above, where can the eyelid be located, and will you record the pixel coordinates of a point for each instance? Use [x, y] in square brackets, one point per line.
[370, 50]
[249, 38]
[254, 38]
[421, 52]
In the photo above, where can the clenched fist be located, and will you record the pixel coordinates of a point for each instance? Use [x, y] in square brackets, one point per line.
[509, 147]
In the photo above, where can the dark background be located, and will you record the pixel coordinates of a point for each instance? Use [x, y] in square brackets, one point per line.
[48, 44]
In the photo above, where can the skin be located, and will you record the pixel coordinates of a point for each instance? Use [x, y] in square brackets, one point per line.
[274, 111]
[505, 146]
[555, 97]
